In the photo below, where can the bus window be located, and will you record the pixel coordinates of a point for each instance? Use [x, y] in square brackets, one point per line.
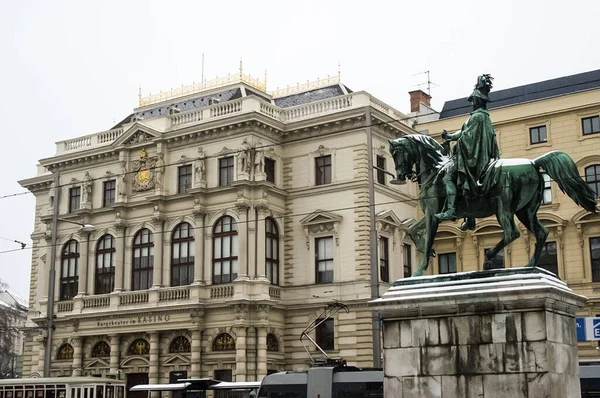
[283, 391]
[358, 390]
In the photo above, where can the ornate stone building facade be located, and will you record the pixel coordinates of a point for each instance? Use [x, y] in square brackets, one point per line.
[560, 114]
[225, 218]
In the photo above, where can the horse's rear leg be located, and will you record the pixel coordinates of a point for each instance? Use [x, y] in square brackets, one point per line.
[506, 219]
[529, 219]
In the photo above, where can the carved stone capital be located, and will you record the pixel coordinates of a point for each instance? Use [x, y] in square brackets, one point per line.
[241, 311]
[242, 206]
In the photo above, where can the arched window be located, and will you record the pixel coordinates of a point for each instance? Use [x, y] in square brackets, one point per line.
[272, 343]
[223, 342]
[65, 351]
[139, 347]
[225, 250]
[143, 260]
[105, 265]
[182, 258]
[272, 250]
[101, 349]
[592, 177]
[180, 344]
[69, 275]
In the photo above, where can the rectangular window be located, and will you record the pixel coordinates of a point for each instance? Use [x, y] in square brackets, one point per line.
[381, 170]
[548, 258]
[270, 170]
[325, 336]
[109, 189]
[537, 135]
[498, 261]
[323, 170]
[547, 198]
[595, 258]
[384, 260]
[74, 199]
[407, 261]
[324, 259]
[225, 171]
[591, 125]
[184, 178]
[447, 263]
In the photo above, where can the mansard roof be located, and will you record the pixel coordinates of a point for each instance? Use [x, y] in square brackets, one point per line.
[312, 96]
[528, 93]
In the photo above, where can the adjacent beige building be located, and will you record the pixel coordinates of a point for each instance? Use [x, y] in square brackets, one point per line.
[560, 114]
[224, 219]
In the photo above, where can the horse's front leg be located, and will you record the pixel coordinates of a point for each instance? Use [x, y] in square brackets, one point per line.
[431, 226]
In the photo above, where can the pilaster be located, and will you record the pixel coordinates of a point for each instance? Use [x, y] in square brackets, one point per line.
[114, 353]
[240, 353]
[77, 343]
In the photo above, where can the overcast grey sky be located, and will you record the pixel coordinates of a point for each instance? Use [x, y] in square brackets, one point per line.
[71, 68]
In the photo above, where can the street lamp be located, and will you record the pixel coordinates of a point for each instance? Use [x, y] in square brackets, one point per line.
[87, 228]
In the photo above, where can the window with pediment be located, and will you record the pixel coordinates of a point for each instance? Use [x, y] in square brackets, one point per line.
[180, 344]
[223, 342]
[65, 351]
[139, 347]
[101, 349]
[272, 343]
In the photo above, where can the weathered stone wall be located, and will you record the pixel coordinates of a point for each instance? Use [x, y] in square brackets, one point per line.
[491, 355]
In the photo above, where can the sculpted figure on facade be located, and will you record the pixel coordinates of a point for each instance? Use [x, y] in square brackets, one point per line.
[160, 169]
[244, 158]
[259, 160]
[123, 178]
[88, 182]
[200, 166]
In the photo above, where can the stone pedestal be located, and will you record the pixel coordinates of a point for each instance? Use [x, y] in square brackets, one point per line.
[486, 334]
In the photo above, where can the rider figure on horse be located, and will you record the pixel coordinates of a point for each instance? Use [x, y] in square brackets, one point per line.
[475, 148]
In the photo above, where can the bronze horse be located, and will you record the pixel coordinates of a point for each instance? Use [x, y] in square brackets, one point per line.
[511, 187]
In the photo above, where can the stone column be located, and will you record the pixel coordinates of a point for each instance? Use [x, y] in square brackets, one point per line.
[115, 341]
[77, 356]
[196, 371]
[240, 353]
[158, 252]
[260, 239]
[41, 354]
[199, 215]
[262, 352]
[84, 249]
[154, 360]
[242, 240]
[119, 257]
[518, 341]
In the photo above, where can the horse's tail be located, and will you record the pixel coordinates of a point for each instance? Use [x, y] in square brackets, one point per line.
[561, 168]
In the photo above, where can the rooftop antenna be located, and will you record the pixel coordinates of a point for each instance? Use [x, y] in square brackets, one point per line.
[329, 311]
[429, 82]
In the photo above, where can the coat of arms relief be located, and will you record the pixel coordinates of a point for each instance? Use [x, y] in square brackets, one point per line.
[146, 172]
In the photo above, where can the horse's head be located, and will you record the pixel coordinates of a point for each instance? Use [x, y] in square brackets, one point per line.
[404, 158]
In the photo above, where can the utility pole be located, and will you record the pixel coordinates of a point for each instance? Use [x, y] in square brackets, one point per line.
[52, 276]
[373, 243]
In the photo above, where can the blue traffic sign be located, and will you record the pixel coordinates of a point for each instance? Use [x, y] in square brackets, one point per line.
[580, 323]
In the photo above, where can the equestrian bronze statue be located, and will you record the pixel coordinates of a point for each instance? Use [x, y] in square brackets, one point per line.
[472, 181]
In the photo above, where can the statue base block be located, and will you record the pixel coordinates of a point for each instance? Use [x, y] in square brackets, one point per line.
[487, 334]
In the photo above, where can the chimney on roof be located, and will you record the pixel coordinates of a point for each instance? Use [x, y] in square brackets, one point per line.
[417, 98]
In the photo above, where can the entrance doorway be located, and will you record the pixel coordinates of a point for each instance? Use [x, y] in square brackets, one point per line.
[133, 379]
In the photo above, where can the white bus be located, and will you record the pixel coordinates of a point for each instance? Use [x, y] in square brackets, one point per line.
[201, 388]
[62, 387]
